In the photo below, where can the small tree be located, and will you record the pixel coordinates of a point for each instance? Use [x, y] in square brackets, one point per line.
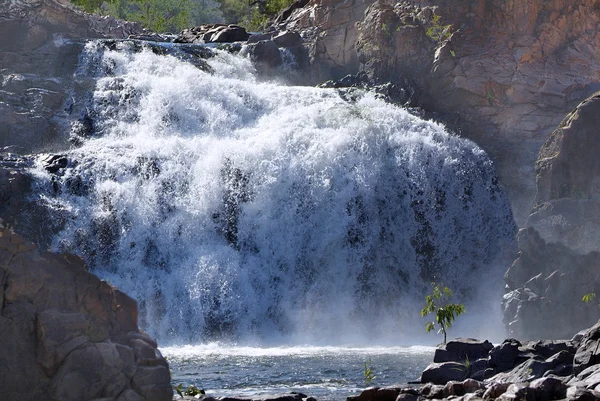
[445, 312]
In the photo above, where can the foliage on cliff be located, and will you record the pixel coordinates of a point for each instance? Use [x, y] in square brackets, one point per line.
[175, 15]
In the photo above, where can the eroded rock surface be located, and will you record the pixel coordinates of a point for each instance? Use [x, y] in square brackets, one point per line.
[40, 44]
[67, 335]
[559, 251]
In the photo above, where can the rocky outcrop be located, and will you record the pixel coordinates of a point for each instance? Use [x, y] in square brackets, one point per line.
[40, 44]
[540, 370]
[213, 33]
[510, 69]
[66, 335]
[559, 251]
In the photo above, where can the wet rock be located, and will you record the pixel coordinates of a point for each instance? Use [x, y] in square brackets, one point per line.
[265, 54]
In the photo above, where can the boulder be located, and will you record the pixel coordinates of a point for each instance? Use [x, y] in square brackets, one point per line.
[265, 54]
[442, 373]
[460, 350]
[69, 336]
[504, 356]
[527, 371]
[548, 388]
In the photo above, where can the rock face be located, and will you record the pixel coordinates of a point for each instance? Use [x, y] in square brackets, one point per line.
[40, 43]
[510, 68]
[559, 251]
[66, 335]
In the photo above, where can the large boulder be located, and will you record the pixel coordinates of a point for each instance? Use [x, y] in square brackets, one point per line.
[69, 336]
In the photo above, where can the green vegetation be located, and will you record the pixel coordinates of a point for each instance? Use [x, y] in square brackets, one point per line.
[437, 31]
[176, 15]
[589, 297]
[368, 373]
[445, 313]
[191, 391]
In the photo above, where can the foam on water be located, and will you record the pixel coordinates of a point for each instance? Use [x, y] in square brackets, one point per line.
[237, 209]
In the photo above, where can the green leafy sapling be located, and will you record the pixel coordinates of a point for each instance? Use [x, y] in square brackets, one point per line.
[368, 373]
[445, 312]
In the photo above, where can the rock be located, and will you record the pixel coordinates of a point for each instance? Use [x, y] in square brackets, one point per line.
[432, 391]
[564, 277]
[517, 392]
[265, 54]
[287, 39]
[478, 369]
[575, 393]
[462, 349]
[588, 353]
[525, 372]
[495, 390]
[442, 373]
[68, 335]
[213, 33]
[40, 44]
[504, 356]
[548, 388]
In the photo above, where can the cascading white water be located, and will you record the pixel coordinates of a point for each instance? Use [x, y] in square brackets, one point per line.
[237, 209]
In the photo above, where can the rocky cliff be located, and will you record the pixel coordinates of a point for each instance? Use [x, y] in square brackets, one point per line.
[40, 43]
[559, 251]
[66, 335]
[508, 70]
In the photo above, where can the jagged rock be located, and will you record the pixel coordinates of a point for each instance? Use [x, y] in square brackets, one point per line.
[68, 335]
[462, 349]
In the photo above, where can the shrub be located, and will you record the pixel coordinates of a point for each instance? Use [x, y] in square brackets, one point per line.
[445, 313]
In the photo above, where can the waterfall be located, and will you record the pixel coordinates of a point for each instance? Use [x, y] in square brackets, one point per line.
[237, 209]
